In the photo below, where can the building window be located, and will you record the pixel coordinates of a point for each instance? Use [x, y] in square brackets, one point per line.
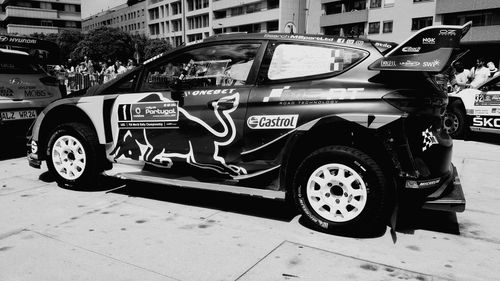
[273, 4]
[375, 4]
[418, 1]
[272, 26]
[45, 5]
[389, 3]
[176, 8]
[387, 27]
[46, 23]
[374, 28]
[419, 23]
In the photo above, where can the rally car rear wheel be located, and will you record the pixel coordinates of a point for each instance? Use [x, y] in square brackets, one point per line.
[72, 154]
[341, 189]
[454, 121]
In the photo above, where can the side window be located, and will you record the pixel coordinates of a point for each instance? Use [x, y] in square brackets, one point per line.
[297, 61]
[126, 84]
[219, 65]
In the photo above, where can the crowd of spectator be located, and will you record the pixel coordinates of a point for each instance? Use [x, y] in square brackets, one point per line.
[476, 76]
[89, 73]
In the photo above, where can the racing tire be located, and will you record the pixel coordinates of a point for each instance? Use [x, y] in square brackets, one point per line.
[72, 154]
[454, 121]
[341, 189]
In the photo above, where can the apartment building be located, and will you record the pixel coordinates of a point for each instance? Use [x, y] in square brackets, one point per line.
[258, 16]
[46, 16]
[130, 18]
[179, 21]
[388, 20]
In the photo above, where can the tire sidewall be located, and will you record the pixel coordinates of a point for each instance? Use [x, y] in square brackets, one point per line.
[89, 170]
[373, 207]
[459, 132]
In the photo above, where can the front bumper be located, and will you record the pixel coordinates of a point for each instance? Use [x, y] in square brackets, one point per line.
[448, 198]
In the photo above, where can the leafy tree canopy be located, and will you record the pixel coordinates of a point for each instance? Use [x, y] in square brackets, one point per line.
[105, 44]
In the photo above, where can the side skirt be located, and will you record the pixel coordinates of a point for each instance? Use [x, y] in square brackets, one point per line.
[137, 174]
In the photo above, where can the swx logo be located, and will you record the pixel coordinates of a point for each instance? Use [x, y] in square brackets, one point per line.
[273, 121]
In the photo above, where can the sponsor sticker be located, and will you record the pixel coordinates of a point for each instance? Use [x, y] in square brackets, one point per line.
[17, 81]
[148, 114]
[411, 49]
[428, 183]
[3, 38]
[287, 96]
[383, 45]
[488, 122]
[481, 111]
[433, 63]
[429, 40]
[388, 63]
[447, 32]
[6, 92]
[487, 99]
[428, 139]
[409, 63]
[273, 121]
[209, 92]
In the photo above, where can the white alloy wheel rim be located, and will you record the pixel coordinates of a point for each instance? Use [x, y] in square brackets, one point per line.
[68, 157]
[336, 192]
[450, 123]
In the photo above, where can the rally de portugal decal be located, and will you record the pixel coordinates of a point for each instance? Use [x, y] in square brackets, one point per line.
[273, 121]
[148, 114]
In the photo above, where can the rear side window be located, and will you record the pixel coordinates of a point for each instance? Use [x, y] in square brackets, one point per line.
[19, 68]
[298, 61]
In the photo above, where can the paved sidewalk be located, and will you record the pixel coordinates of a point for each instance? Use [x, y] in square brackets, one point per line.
[151, 232]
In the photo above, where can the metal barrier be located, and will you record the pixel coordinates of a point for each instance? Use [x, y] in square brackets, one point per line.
[78, 81]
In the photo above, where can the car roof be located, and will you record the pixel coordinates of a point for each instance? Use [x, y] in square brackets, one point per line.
[337, 40]
[13, 52]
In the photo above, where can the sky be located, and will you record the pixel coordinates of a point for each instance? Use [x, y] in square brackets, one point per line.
[91, 7]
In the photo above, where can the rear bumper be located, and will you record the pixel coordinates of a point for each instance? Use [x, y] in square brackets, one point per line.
[449, 198]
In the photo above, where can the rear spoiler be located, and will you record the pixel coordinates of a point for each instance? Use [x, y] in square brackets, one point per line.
[431, 49]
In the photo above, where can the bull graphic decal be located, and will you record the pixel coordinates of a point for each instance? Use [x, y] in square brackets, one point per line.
[184, 145]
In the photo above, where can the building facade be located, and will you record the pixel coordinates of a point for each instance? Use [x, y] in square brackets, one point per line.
[47, 16]
[127, 18]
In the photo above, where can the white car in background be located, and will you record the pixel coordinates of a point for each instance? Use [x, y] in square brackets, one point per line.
[476, 110]
[25, 89]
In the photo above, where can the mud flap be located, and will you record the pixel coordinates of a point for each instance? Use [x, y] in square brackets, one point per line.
[452, 200]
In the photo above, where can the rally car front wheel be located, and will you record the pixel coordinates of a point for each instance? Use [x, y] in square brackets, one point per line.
[72, 155]
[341, 189]
[454, 121]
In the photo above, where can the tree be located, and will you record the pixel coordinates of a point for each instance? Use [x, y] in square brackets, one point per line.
[67, 41]
[105, 44]
[155, 47]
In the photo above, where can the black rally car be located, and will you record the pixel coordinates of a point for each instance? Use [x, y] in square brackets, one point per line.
[341, 126]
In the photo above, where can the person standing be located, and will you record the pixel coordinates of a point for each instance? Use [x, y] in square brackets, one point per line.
[479, 74]
[461, 76]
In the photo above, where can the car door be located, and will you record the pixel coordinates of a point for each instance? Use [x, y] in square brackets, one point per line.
[189, 111]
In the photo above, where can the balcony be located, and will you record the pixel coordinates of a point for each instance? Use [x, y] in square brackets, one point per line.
[226, 4]
[482, 34]
[252, 18]
[22, 12]
[454, 6]
[30, 29]
[344, 18]
[72, 16]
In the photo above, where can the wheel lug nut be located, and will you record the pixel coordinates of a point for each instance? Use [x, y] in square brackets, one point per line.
[337, 201]
[345, 194]
[327, 194]
[329, 184]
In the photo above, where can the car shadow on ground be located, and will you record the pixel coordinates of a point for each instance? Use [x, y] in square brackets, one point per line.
[409, 219]
[483, 137]
[12, 146]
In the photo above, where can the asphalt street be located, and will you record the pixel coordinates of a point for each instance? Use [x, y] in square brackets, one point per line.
[135, 231]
